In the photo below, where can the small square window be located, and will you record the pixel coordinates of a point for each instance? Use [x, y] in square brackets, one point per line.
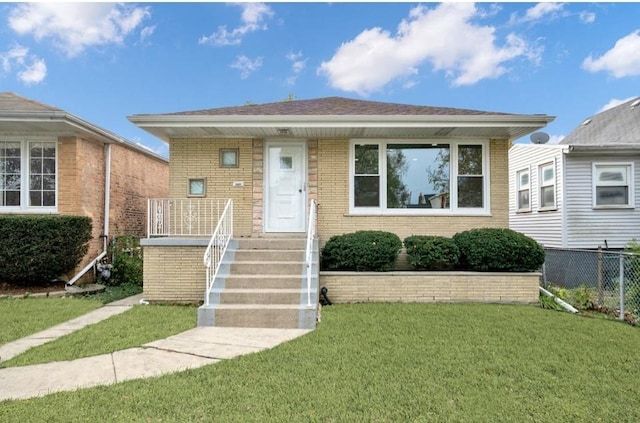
[229, 157]
[197, 187]
[286, 163]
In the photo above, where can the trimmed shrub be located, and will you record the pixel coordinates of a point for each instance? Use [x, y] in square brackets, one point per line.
[361, 251]
[37, 249]
[499, 250]
[431, 252]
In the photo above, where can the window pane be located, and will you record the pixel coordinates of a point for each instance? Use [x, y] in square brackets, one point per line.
[35, 198]
[524, 179]
[523, 200]
[611, 175]
[49, 166]
[49, 198]
[35, 166]
[547, 197]
[366, 160]
[470, 160]
[10, 182]
[35, 182]
[36, 150]
[547, 174]
[366, 191]
[49, 152]
[606, 196]
[470, 191]
[49, 182]
[9, 198]
[415, 173]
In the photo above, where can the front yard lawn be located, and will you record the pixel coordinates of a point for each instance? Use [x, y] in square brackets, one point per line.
[392, 362]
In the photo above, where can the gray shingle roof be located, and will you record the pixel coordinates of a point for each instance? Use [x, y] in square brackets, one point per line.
[619, 125]
[15, 103]
[332, 106]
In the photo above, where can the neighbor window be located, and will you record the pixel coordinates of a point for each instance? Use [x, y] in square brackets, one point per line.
[28, 175]
[416, 177]
[612, 184]
[197, 187]
[547, 174]
[523, 190]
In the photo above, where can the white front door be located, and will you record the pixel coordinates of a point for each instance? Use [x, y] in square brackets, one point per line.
[285, 186]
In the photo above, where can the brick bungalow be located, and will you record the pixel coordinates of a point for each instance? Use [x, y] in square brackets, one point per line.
[369, 165]
[84, 170]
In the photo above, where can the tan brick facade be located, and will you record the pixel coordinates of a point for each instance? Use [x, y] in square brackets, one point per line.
[328, 182]
[174, 274]
[429, 287]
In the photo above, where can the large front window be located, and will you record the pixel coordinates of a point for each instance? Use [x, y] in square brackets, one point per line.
[27, 175]
[417, 177]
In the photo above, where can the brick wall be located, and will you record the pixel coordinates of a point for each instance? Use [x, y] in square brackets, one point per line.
[428, 287]
[174, 274]
[134, 178]
[200, 158]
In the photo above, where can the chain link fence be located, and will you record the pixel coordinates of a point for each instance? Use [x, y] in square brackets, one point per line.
[608, 280]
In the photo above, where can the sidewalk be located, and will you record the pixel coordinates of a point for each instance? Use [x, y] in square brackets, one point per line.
[194, 348]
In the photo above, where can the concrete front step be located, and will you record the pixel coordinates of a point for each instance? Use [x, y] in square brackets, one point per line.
[271, 244]
[259, 316]
[260, 296]
[263, 281]
[268, 255]
[266, 268]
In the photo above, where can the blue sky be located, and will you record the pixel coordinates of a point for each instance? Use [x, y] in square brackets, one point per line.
[105, 61]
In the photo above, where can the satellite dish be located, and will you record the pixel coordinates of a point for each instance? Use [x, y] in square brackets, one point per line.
[539, 137]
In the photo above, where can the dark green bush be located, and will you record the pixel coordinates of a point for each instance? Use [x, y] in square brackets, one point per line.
[37, 249]
[431, 252]
[499, 250]
[127, 262]
[374, 251]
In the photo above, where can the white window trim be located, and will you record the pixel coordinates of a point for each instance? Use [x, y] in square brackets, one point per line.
[542, 185]
[453, 200]
[630, 183]
[519, 188]
[25, 171]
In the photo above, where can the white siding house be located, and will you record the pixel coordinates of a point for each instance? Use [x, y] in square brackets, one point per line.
[585, 191]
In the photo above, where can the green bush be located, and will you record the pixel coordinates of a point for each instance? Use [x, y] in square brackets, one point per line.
[37, 249]
[431, 252]
[498, 250]
[374, 251]
[127, 262]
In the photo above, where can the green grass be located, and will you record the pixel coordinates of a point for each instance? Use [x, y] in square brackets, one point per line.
[114, 293]
[134, 327]
[21, 317]
[392, 362]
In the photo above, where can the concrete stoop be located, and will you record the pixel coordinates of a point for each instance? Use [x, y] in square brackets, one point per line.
[262, 283]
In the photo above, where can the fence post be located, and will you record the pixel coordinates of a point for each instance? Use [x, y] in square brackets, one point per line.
[600, 277]
[621, 286]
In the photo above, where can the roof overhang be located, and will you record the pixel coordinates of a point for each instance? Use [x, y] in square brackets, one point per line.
[60, 124]
[508, 127]
[617, 149]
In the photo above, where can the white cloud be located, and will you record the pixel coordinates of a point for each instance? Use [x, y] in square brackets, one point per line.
[146, 32]
[543, 10]
[74, 27]
[252, 19]
[614, 102]
[622, 60]
[246, 65]
[30, 69]
[297, 65]
[467, 53]
[587, 17]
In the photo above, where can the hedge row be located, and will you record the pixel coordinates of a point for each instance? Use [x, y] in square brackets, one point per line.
[482, 249]
[37, 249]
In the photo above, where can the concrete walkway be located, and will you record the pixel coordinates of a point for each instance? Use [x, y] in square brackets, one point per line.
[194, 348]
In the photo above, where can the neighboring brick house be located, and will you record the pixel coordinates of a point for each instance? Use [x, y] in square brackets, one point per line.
[370, 165]
[56, 163]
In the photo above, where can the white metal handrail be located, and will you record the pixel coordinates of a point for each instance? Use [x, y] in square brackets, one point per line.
[183, 216]
[218, 246]
[308, 257]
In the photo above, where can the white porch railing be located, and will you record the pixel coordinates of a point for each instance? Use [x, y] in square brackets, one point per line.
[183, 216]
[217, 246]
[308, 257]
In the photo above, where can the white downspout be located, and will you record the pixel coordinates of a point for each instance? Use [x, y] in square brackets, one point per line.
[107, 200]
